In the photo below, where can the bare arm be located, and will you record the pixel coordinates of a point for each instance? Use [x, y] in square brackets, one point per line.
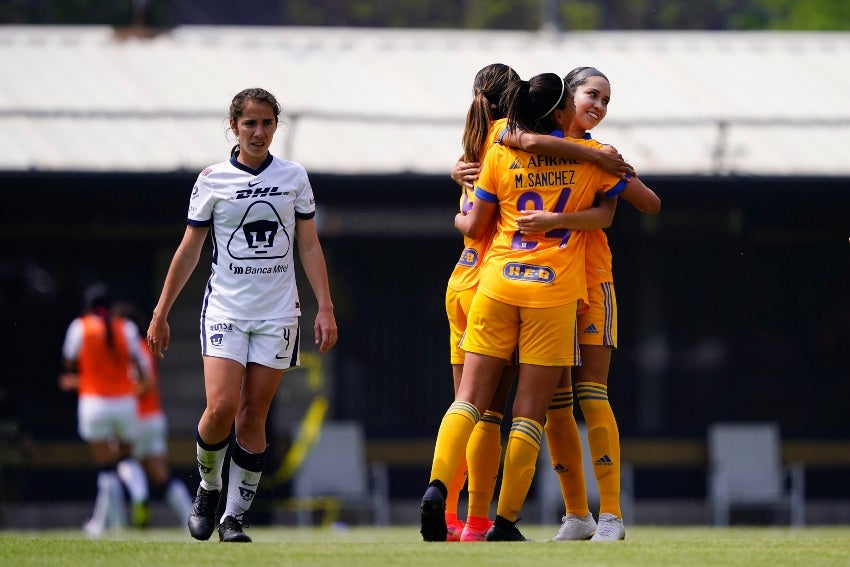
[641, 197]
[479, 220]
[141, 359]
[607, 158]
[313, 260]
[600, 216]
[69, 380]
[182, 265]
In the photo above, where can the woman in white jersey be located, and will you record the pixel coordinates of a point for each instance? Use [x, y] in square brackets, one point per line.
[258, 206]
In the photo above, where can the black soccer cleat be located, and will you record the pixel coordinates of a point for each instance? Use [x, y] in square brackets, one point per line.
[230, 531]
[433, 515]
[504, 530]
[202, 519]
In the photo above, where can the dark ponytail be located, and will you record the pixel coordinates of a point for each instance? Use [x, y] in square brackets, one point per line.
[98, 301]
[487, 89]
[530, 104]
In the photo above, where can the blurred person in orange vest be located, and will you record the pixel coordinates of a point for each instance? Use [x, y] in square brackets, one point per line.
[98, 348]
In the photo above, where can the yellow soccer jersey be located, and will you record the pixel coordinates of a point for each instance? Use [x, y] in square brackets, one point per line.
[597, 257]
[465, 274]
[597, 254]
[538, 270]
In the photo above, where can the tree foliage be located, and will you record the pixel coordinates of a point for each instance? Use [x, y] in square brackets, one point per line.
[463, 14]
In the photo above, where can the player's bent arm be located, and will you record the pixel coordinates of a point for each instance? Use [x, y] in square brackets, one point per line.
[478, 221]
[608, 159]
[69, 380]
[600, 216]
[141, 363]
[641, 197]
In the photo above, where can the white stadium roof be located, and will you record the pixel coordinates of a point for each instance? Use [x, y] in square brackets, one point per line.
[386, 101]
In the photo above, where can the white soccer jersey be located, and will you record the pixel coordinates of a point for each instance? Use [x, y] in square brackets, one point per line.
[252, 216]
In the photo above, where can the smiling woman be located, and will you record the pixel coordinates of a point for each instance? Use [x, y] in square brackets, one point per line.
[256, 204]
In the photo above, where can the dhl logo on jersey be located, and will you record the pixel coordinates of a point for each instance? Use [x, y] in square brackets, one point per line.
[258, 192]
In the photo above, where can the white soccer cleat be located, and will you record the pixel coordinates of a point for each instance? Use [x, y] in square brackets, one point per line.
[574, 528]
[610, 528]
[94, 528]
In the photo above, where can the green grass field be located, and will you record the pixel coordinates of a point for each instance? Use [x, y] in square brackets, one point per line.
[377, 547]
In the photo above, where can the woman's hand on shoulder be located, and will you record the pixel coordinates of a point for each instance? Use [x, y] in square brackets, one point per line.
[465, 173]
[610, 160]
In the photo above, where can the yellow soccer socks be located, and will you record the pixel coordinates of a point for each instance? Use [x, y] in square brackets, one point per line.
[565, 451]
[604, 440]
[520, 462]
[484, 454]
[452, 438]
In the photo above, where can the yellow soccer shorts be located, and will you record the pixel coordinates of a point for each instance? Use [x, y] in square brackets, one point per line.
[597, 325]
[546, 336]
[457, 306]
